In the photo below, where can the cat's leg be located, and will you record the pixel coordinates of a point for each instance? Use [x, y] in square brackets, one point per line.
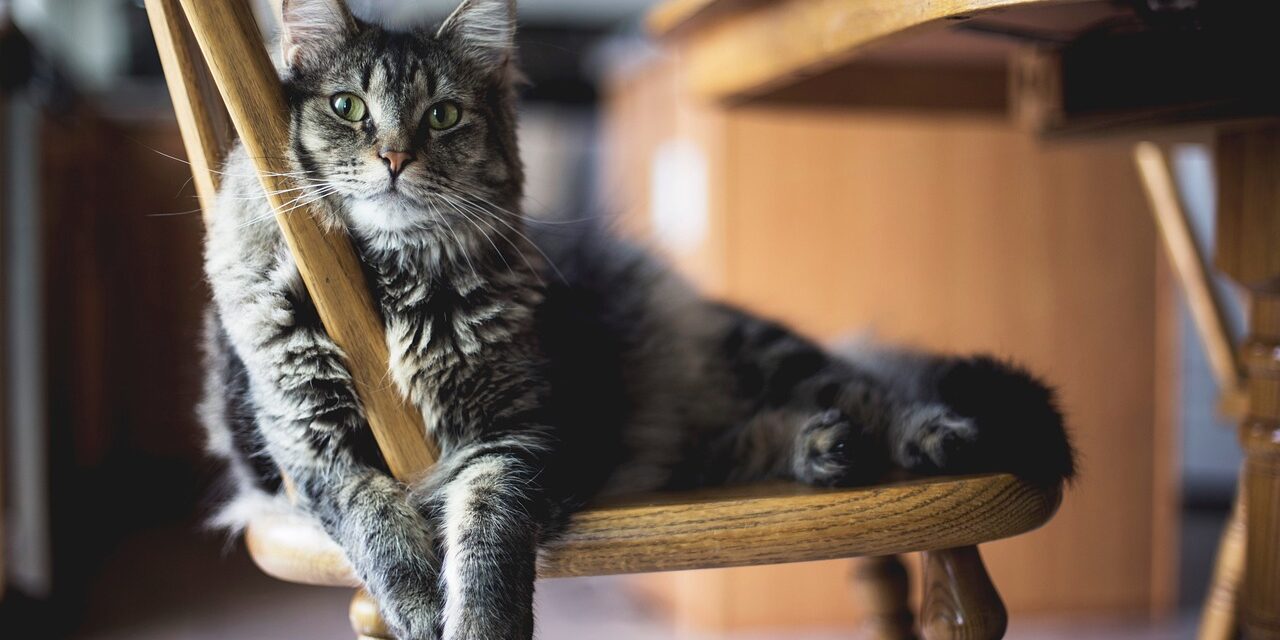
[313, 429]
[388, 543]
[809, 417]
[313, 435]
[825, 420]
[818, 447]
[492, 512]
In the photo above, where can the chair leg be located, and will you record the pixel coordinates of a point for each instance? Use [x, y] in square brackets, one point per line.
[1220, 619]
[880, 586]
[960, 603]
[366, 620]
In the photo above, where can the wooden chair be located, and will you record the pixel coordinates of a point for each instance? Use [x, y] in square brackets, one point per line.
[204, 43]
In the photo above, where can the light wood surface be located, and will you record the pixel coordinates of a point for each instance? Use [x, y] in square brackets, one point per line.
[960, 603]
[250, 88]
[1248, 161]
[802, 37]
[881, 589]
[204, 123]
[366, 620]
[726, 528]
[673, 14]
[1189, 265]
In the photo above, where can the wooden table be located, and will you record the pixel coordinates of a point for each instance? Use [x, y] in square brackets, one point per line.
[1057, 68]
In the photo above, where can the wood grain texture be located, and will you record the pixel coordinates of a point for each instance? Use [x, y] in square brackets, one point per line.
[1248, 161]
[939, 88]
[801, 36]
[960, 602]
[1220, 616]
[1189, 265]
[726, 528]
[1260, 436]
[232, 47]
[881, 589]
[1249, 251]
[203, 120]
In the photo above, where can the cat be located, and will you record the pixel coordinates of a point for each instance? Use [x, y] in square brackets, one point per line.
[554, 364]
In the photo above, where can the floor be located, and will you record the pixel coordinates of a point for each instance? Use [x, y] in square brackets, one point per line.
[170, 584]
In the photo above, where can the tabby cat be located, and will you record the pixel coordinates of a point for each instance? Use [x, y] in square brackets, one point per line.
[554, 364]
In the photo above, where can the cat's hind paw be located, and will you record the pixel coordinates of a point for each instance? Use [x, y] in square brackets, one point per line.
[933, 439]
[832, 451]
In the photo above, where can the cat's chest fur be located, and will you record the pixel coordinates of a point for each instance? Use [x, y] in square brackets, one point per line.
[451, 323]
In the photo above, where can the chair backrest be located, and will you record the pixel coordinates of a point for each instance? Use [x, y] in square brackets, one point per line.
[205, 44]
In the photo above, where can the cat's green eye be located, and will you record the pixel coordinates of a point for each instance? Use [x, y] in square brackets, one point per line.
[348, 106]
[444, 115]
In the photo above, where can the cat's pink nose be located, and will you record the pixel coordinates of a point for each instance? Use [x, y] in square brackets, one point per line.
[396, 161]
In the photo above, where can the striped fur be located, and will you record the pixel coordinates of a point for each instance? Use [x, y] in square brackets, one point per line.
[555, 364]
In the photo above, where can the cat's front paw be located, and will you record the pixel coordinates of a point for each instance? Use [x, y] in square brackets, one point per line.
[411, 617]
[831, 451]
[933, 439]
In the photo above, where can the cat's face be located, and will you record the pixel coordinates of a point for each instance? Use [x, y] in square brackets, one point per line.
[408, 129]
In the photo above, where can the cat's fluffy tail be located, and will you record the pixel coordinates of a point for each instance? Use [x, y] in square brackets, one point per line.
[1021, 429]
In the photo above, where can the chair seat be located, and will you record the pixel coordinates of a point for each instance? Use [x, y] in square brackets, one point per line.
[726, 527]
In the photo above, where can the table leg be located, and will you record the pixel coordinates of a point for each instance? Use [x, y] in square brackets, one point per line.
[1248, 163]
[1260, 435]
[1220, 619]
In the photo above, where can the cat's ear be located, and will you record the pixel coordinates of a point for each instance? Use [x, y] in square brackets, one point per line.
[485, 28]
[308, 26]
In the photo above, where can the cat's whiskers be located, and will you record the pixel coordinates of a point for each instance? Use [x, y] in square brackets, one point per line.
[460, 207]
[461, 248]
[294, 205]
[175, 214]
[234, 175]
[481, 210]
[477, 227]
[464, 188]
[267, 194]
[311, 198]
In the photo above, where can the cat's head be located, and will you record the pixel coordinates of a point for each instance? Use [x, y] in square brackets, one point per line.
[404, 128]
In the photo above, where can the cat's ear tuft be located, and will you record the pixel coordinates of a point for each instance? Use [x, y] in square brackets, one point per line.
[484, 28]
[309, 26]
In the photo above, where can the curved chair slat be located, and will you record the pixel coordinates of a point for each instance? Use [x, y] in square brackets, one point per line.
[729, 527]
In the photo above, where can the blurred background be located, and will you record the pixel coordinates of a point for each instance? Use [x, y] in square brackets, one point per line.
[946, 229]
